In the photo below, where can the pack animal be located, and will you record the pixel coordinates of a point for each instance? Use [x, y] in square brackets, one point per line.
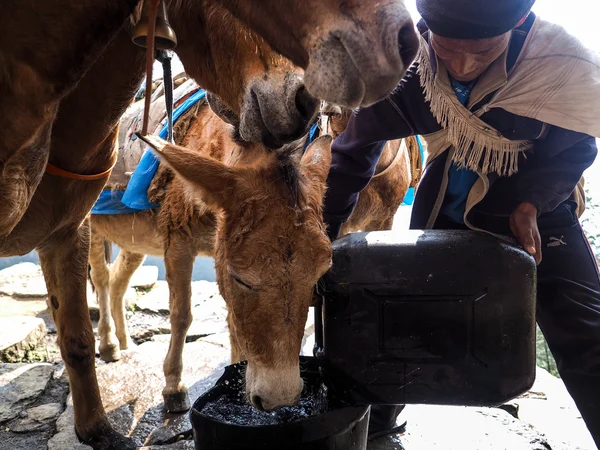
[258, 213]
[61, 106]
[154, 232]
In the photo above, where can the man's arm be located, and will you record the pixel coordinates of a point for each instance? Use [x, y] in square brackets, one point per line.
[551, 177]
[356, 152]
[555, 168]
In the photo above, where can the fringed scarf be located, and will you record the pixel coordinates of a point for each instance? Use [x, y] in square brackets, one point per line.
[555, 80]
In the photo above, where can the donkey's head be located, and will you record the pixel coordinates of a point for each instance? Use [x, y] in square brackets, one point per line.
[271, 249]
[252, 86]
[354, 51]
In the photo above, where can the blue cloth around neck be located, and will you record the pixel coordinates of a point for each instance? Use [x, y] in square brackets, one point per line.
[460, 181]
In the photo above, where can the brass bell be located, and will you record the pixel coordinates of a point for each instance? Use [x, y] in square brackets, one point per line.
[164, 35]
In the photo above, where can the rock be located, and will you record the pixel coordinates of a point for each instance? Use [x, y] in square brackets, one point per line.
[156, 301]
[181, 445]
[144, 277]
[130, 297]
[24, 441]
[308, 345]
[23, 280]
[37, 418]
[463, 428]
[11, 307]
[20, 385]
[132, 387]
[205, 290]
[308, 341]
[20, 337]
[65, 437]
[220, 339]
[551, 410]
[511, 408]
[202, 328]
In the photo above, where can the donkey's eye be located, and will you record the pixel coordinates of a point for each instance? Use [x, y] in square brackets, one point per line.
[239, 281]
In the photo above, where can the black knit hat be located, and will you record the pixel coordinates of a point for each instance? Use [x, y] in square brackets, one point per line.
[472, 19]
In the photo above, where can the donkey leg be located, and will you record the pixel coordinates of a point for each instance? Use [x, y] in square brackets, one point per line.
[64, 260]
[120, 276]
[380, 225]
[109, 345]
[179, 261]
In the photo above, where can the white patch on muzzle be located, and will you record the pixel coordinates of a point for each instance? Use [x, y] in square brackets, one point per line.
[271, 388]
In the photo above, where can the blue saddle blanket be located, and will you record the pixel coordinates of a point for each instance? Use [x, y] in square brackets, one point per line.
[135, 197]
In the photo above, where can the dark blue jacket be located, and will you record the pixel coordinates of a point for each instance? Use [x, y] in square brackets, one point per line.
[547, 176]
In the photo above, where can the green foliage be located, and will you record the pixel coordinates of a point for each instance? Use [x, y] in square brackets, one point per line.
[545, 360]
[590, 221]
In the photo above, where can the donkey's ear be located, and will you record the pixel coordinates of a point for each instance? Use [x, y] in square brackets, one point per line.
[316, 161]
[214, 180]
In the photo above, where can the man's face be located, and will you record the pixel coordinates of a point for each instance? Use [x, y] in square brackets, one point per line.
[467, 59]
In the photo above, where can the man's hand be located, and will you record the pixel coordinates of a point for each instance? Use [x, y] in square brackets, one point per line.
[523, 224]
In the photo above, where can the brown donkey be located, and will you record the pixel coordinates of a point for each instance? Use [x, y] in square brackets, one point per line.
[47, 47]
[61, 105]
[192, 226]
[398, 169]
[219, 52]
[258, 213]
[354, 51]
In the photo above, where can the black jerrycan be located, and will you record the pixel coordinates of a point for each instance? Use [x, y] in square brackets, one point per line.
[427, 317]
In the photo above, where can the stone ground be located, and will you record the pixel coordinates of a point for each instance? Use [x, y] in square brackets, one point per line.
[36, 412]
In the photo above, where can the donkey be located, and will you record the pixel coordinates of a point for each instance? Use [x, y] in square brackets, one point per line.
[322, 36]
[399, 168]
[60, 110]
[354, 52]
[258, 213]
[153, 232]
[221, 54]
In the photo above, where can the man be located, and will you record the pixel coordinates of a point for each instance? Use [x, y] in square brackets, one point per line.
[508, 105]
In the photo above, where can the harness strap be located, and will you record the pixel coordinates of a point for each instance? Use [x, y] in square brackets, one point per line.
[51, 169]
[165, 59]
[393, 163]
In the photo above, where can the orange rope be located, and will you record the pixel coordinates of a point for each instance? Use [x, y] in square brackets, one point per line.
[53, 170]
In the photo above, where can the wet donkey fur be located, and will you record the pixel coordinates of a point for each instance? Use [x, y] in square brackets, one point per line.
[62, 105]
[258, 213]
[184, 227]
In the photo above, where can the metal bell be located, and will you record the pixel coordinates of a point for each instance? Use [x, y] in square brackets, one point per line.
[164, 35]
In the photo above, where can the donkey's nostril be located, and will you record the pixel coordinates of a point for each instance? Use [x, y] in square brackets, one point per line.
[408, 43]
[257, 402]
[306, 104]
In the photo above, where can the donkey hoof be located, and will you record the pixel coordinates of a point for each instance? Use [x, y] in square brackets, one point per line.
[108, 439]
[177, 403]
[110, 353]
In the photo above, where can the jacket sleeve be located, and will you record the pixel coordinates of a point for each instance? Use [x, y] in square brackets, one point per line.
[355, 154]
[555, 168]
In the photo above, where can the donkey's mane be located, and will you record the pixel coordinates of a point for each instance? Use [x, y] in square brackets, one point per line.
[288, 165]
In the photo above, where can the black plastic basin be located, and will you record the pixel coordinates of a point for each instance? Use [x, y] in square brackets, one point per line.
[341, 427]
